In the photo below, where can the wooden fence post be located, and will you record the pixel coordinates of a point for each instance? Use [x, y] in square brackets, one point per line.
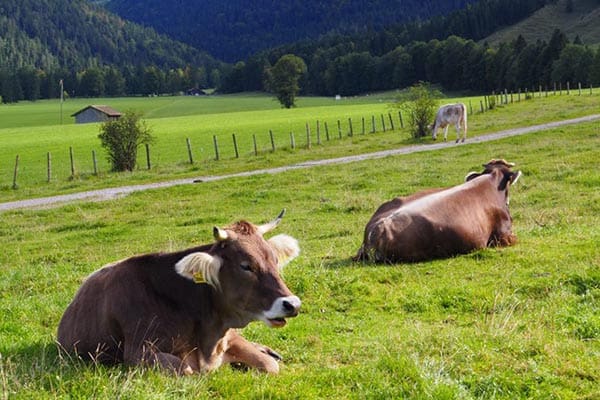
[350, 131]
[318, 133]
[292, 140]
[481, 105]
[255, 146]
[402, 122]
[189, 149]
[382, 123]
[372, 124]
[391, 121]
[579, 87]
[362, 120]
[72, 162]
[235, 147]
[339, 128]
[307, 136]
[14, 185]
[216, 147]
[148, 165]
[49, 166]
[568, 87]
[94, 162]
[272, 141]
[326, 131]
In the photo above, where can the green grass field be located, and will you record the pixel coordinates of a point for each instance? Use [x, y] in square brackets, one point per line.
[514, 323]
[172, 122]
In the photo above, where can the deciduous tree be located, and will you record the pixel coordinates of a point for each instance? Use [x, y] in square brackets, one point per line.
[283, 79]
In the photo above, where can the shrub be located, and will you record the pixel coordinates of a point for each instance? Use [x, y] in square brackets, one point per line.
[421, 104]
[121, 139]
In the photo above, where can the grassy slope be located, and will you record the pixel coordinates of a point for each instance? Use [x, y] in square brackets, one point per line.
[169, 154]
[520, 322]
[583, 21]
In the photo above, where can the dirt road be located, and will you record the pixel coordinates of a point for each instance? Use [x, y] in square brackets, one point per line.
[111, 193]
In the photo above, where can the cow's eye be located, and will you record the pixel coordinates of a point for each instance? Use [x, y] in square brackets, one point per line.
[246, 266]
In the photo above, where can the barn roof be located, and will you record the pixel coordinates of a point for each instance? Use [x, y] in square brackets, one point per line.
[109, 111]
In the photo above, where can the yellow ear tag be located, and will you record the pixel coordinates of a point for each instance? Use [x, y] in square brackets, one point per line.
[199, 277]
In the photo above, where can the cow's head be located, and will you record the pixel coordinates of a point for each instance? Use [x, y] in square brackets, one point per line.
[502, 171]
[243, 268]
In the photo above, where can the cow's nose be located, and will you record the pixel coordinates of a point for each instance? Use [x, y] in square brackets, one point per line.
[291, 305]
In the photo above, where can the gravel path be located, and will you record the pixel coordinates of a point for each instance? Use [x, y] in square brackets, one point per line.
[111, 193]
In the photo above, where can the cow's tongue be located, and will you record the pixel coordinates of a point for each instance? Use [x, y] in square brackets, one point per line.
[277, 322]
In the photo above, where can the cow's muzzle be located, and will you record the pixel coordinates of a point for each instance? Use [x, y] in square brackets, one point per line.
[282, 308]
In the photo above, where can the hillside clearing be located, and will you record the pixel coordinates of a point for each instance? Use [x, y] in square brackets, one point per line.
[582, 22]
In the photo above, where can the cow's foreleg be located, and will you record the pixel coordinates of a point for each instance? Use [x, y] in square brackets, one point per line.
[446, 133]
[149, 356]
[250, 354]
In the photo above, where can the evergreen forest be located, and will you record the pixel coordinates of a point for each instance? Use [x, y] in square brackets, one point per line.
[92, 52]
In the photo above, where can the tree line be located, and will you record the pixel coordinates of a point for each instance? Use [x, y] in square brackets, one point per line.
[28, 83]
[454, 63]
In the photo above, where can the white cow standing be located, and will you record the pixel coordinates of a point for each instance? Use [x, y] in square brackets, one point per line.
[455, 114]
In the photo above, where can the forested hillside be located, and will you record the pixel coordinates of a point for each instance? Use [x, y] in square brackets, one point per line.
[95, 53]
[232, 30]
[42, 41]
[444, 50]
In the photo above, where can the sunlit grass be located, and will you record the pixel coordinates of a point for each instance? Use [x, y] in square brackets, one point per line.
[169, 154]
[514, 323]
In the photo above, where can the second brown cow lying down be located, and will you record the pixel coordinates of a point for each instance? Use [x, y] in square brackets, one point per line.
[179, 310]
[439, 223]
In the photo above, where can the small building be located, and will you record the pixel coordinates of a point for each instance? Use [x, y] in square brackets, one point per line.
[96, 113]
[195, 92]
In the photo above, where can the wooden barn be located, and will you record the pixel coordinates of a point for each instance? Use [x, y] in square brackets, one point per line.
[96, 113]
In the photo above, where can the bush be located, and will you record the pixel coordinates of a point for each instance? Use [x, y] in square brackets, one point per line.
[121, 139]
[421, 104]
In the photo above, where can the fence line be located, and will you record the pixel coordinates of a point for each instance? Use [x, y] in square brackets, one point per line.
[488, 102]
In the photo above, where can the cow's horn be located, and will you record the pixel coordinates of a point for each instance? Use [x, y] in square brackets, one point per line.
[269, 226]
[220, 234]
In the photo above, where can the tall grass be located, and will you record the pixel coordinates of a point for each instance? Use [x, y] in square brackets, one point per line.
[514, 323]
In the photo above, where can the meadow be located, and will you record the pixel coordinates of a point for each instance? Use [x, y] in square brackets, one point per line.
[172, 120]
[511, 323]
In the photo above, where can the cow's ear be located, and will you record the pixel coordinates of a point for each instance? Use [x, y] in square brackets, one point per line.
[286, 248]
[472, 175]
[200, 267]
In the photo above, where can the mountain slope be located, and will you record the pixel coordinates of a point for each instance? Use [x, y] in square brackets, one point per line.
[76, 34]
[582, 21]
[234, 29]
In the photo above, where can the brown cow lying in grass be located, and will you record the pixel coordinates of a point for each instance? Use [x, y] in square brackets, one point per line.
[440, 223]
[179, 310]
